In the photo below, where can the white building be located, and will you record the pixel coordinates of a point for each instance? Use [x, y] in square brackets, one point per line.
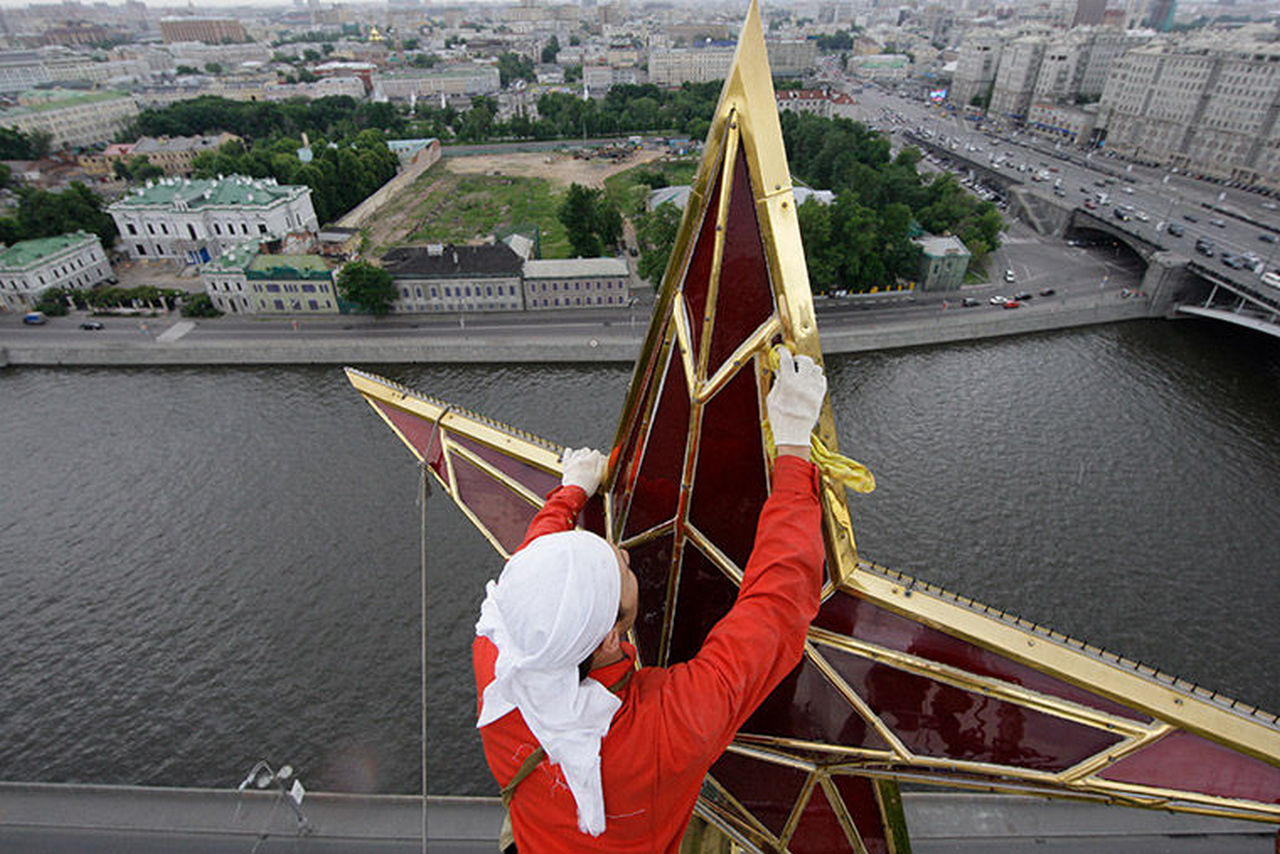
[673, 66]
[1016, 78]
[30, 267]
[21, 70]
[195, 220]
[576, 283]
[976, 66]
[444, 277]
[244, 280]
[73, 119]
[1202, 105]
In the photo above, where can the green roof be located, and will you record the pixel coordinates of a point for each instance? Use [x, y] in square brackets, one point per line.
[208, 192]
[288, 267]
[236, 259]
[60, 98]
[27, 253]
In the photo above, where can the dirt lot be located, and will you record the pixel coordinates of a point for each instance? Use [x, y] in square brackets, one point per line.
[554, 166]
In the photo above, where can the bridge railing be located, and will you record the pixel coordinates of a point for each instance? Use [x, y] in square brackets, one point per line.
[1246, 290]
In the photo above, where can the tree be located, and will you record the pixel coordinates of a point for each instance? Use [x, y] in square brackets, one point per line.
[512, 66]
[41, 143]
[368, 286]
[199, 305]
[213, 67]
[14, 144]
[656, 232]
[550, 50]
[577, 214]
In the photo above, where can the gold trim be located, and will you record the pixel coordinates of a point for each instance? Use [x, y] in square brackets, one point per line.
[684, 339]
[781, 744]
[519, 489]
[797, 809]
[754, 345]
[985, 685]
[843, 816]
[729, 157]
[771, 757]
[855, 700]
[1048, 655]
[1106, 758]
[712, 553]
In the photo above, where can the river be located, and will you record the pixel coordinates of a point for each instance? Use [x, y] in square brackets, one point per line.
[206, 567]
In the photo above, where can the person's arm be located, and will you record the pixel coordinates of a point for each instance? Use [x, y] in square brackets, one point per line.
[583, 471]
[761, 639]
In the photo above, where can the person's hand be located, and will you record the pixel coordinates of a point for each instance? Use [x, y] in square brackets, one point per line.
[583, 468]
[795, 400]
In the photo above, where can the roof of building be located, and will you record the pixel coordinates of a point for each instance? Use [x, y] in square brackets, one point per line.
[58, 99]
[490, 259]
[209, 192]
[29, 253]
[288, 267]
[148, 144]
[575, 268]
[944, 245]
[234, 259]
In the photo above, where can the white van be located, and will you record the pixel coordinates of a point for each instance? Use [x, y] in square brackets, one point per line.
[1271, 278]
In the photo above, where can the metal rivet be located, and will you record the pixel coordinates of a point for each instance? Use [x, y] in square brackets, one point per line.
[784, 204]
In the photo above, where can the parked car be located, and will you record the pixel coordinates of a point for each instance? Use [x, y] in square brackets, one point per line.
[1189, 218]
[1217, 223]
[1267, 237]
[970, 302]
[1009, 277]
[1047, 292]
[997, 300]
[1176, 230]
[1012, 303]
[34, 318]
[1022, 296]
[91, 325]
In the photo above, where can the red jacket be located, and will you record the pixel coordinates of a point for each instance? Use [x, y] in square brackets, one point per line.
[674, 721]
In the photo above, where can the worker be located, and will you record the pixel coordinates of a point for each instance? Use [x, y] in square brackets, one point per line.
[593, 754]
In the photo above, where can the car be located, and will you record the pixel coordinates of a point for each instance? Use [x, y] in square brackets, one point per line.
[1141, 216]
[1189, 218]
[997, 300]
[1127, 190]
[1176, 230]
[91, 325]
[1012, 303]
[1269, 205]
[1217, 223]
[1009, 277]
[1091, 204]
[1267, 237]
[34, 318]
[1023, 296]
[970, 302]
[1122, 214]
[1047, 292]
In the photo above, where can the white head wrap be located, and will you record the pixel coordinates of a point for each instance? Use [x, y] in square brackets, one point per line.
[553, 604]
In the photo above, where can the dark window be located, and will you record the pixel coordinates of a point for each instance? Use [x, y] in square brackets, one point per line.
[191, 229]
[308, 289]
[273, 289]
[133, 229]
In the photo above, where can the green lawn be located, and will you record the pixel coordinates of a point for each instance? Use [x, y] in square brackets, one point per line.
[626, 191]
[444, 207]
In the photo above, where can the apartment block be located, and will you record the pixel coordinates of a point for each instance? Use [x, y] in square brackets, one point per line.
[73, 119]
[461, 79]
[175, 154]
[197, 220]
[673, 66]
[976, 66]
[21, 70]
[1199, 105]
[30, 267]
[1015, 81]
[207, 30]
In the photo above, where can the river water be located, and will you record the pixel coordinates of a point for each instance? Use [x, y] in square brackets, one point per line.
[205, 567]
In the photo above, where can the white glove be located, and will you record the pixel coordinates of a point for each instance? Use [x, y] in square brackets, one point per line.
[584, 468]
[795, 400]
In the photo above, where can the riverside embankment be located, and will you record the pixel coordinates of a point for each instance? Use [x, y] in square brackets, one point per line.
[180, 342]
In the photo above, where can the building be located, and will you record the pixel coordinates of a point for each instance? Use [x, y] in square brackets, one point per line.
[443, 277]
[1065, 122]
[197, 220]
[976, 66]
[30, 267]
[1160, 15]
[461, 79]
[576, 283]
[244, 280]
[175, 154]
[1061, 68]
[1089, 13]
[943, 262]
[599, 79]
[1016, 78]
[21, 70]
[1201, 105]
[73, 119]
[674, 66]
[792, 57]
[207, 30]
